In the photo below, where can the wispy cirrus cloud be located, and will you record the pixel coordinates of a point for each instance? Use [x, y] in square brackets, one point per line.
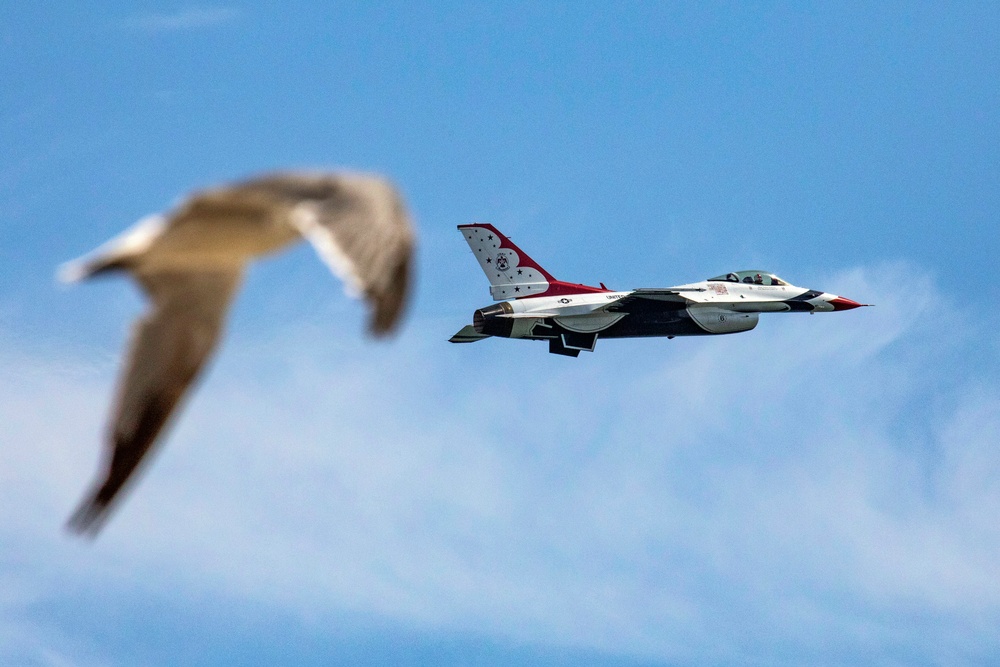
[193, 18]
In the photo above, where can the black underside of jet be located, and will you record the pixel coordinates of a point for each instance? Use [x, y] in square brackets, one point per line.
[641, 322]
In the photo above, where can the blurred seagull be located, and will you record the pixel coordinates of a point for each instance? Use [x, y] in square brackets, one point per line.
[190, 263]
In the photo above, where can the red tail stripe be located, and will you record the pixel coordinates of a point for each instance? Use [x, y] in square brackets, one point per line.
[556, 287]
[507, 243]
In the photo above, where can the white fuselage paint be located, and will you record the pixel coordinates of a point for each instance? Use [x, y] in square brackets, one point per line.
[715, 306]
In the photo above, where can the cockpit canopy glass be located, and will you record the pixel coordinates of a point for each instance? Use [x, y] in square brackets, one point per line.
[750, 277]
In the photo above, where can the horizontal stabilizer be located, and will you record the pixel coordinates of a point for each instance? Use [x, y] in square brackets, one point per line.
[468, 334]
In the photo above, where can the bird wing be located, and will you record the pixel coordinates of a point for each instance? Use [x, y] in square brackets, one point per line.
[359, 226]
[357, 223]
[170, 345]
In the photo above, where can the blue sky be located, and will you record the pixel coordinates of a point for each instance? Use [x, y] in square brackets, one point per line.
[822, 490]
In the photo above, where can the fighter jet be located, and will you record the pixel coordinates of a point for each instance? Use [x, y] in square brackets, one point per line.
[571, 317]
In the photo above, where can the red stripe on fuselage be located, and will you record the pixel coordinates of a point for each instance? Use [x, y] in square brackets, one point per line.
[559, 288]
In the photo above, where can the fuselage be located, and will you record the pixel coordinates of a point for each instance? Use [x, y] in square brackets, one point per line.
[709, 307]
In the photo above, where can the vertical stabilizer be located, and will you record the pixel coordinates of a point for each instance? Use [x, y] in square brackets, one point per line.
[511, 272]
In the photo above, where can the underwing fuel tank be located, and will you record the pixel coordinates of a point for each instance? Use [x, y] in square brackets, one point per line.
[721, 321]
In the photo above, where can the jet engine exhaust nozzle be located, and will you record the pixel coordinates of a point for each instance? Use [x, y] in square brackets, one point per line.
[488, 321]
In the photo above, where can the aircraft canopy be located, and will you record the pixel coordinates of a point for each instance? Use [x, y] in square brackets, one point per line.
[754, 277]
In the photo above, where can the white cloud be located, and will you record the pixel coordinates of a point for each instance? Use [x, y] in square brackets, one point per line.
[730, 498]
[193, 18]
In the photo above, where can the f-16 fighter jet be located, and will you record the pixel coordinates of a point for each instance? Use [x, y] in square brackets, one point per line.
[535, 306]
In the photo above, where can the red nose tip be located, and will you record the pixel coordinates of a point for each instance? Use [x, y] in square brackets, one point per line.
[840, 303]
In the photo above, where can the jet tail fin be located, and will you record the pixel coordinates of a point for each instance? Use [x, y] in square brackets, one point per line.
[511, 272]
[468, 334]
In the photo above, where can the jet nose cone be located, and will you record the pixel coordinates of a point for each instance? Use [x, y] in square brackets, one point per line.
[842, 303]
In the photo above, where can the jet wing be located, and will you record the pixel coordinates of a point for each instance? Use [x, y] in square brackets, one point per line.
[673, 294]
[527, 316]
